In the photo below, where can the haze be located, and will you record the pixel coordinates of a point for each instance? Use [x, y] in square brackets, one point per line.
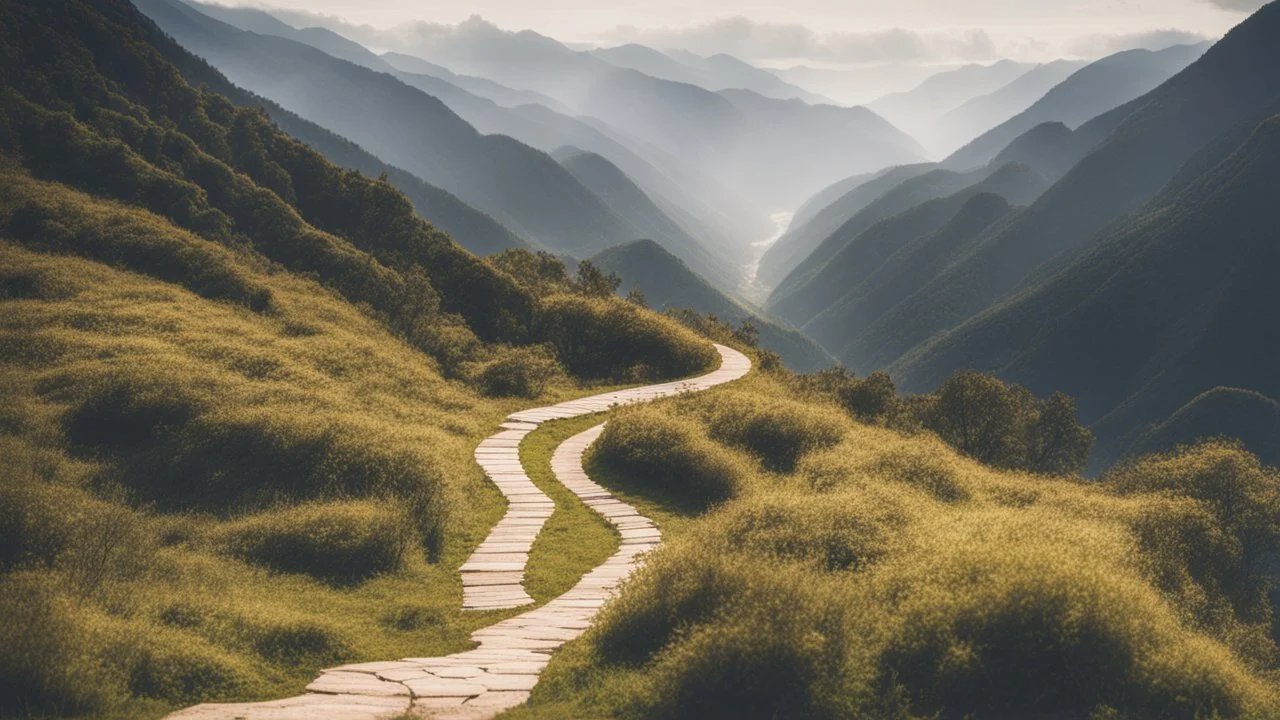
[826, 32]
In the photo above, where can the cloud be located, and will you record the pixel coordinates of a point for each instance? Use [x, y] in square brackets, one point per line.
[780, 41]
[1091, 46]
[1237, 5]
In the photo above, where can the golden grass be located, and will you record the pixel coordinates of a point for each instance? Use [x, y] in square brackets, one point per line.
[885, 576]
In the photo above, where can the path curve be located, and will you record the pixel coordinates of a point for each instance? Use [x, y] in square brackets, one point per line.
[501, 671]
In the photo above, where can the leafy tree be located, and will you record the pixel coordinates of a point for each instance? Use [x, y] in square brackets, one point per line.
[540, 272]
[636, 297]
[1004, 425]
[1058, 443]
[871, 399]
[592, 281]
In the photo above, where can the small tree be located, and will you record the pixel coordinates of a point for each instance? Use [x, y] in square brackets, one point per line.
[541, 272]
[592, 281]
[636, 297]
[1057, 443]
[747, 333]
[871, 399]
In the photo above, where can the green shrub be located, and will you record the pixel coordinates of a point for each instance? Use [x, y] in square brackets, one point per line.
[342, 542]
[843, 532]
[168, 667]
[652, 448]
[518, 372]
[776, 430]
[607, 337]
[1237, 492]
[44, 666]
[300, 642]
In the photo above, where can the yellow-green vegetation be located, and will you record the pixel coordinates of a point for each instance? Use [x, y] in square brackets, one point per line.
[575, 538]
[859, 571]
[241, 387]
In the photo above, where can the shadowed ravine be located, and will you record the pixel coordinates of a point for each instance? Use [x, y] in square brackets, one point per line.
[501, 671]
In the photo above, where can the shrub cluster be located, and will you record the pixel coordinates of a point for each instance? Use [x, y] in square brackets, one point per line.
[670, 454]
[343, 542]
[888, 576]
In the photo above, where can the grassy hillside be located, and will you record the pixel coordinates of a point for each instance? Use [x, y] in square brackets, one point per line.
[1157, 313]
[667, 283]
[848, 570]
[242, 386]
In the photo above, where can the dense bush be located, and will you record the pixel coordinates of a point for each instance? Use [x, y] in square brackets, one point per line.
[337, 542]
[1005, 425]
[672, 455]
[888, 576]
[517, 372]
[776, 430]
[44, 664]
[609, 338]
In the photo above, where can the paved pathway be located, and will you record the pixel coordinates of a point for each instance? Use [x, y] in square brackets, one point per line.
[500, 672]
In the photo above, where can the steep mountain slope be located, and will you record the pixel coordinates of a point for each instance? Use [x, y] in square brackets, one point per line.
[1164, 308]
[974, 118]
[912, 262]
[825, 212]
[475, 230]
[1018, 184]
[630, 203]
[918, 109]
[1244, 415]
[1231, 84]
[501, 94]
[668, 283]
[523, 188]
[1088, 93]
[859, 248]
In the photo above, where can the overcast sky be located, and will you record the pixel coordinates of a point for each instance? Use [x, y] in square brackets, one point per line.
[830, 32]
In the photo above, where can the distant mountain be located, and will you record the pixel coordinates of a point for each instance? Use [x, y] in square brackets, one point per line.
[488, 89]
[985, 112]
[727, 72]
[1164, 308]
[772, 153]
[913, 210]
[1243, 415]
[1156, 136]
[523, 188]
[917, 110]
[1087, 93]
[911, 262]
[632, 205]
[475, 230]
[1018, 185]
[667, 282]
[824, 213]
[862, 84]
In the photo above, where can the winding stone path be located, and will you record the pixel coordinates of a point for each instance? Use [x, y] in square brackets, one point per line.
[501, 671]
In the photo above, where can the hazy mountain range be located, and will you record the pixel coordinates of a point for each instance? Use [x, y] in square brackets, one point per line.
[888, 260]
